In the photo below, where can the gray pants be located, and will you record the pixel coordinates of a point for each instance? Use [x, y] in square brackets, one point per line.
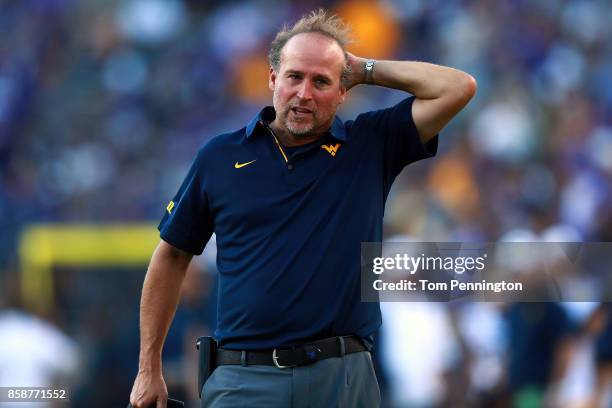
[347, 381]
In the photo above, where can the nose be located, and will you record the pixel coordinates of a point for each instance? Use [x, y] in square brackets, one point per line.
[305, 91]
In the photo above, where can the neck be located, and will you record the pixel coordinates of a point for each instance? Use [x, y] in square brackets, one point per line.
[288, 139]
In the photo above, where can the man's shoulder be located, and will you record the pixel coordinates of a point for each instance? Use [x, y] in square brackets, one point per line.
[222, 142]
[216, 148]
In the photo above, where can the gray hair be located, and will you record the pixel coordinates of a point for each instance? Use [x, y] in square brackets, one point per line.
[319, 22]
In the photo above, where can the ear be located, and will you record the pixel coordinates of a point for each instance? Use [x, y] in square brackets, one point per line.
[342, 94]
[271, 79]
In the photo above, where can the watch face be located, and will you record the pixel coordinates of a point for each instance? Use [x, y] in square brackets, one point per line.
[369, 71]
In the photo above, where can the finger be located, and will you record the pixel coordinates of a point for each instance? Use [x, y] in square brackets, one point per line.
[140, 404]
[161, 402]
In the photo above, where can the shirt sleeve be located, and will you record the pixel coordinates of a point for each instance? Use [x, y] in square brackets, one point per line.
[400, 138]
[187, 223]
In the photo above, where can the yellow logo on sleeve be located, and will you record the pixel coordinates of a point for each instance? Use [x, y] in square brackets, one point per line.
[170, 207]
[331, 149]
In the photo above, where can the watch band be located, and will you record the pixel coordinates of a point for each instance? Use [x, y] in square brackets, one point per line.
[369, 71]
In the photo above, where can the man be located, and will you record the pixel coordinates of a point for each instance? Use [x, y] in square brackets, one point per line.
[290, 197]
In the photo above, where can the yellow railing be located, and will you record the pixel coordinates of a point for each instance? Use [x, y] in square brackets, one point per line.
[44, 246]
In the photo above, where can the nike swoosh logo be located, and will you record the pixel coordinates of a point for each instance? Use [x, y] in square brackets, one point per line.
[239, 165]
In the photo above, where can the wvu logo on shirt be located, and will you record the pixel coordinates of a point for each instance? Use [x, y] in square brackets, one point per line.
[331, 149]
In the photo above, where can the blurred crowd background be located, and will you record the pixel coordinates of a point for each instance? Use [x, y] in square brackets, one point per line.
[103, 105]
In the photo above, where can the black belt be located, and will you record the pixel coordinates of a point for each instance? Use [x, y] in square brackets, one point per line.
[287, 357]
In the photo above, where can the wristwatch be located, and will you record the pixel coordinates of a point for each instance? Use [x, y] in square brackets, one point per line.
[369, 71]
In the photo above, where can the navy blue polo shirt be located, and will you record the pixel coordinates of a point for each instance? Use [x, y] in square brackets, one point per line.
[289, 223]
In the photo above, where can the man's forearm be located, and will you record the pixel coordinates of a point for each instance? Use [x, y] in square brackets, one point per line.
[160, 297]
[441, 92]
[423, 80]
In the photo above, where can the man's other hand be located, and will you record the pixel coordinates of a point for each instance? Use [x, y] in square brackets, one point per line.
[149, 388]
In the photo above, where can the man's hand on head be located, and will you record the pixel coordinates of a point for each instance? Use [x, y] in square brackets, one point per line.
[357, 67]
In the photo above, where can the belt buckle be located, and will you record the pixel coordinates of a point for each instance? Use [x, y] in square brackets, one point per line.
[275, 360]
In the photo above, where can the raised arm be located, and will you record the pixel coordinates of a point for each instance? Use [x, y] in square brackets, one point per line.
[441, 92]
[160, 297]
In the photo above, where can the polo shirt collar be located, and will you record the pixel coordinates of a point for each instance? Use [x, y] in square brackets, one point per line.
[267, 115]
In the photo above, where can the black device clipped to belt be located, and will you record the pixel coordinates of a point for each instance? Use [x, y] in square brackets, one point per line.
[207, 347]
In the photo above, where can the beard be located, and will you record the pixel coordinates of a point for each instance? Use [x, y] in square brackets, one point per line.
[300, 127]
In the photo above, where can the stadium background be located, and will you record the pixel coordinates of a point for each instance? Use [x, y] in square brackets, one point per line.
[104, 103]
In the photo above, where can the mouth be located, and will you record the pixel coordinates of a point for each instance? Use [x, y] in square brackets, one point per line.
[299, 111]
